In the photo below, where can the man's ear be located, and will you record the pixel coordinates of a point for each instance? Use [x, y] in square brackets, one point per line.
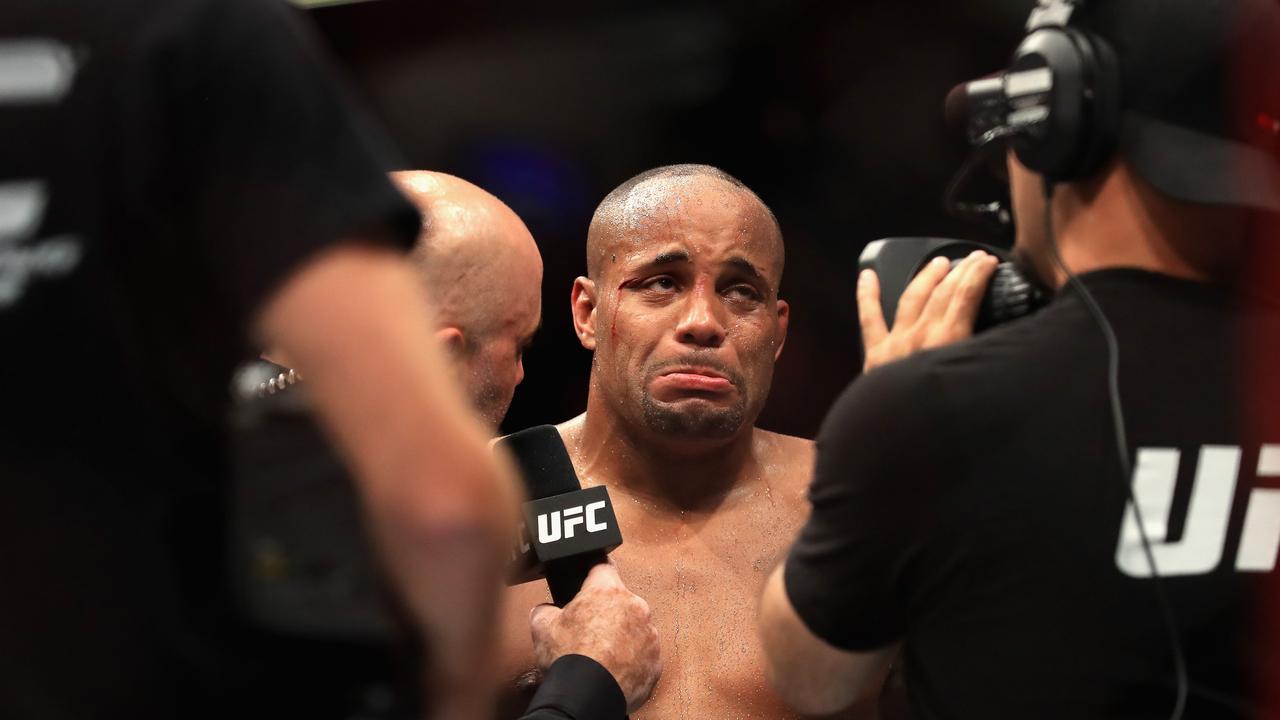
[583, 301]
[784, 317]
[451, 339]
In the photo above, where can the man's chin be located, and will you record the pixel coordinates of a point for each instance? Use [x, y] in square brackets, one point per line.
[694, 418]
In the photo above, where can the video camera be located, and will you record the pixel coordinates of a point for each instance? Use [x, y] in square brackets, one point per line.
[897, 260]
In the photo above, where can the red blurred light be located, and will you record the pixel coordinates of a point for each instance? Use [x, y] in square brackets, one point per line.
[1268, 123]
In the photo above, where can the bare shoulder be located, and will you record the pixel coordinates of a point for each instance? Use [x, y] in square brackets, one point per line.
[788, 459]
[784, 449]
[567, 429]
[571, 429]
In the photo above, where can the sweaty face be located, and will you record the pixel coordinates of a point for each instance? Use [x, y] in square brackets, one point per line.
[688, 323]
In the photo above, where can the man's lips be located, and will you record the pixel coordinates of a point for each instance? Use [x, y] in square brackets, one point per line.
[696, 379]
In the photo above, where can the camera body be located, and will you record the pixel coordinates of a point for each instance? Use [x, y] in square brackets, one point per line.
[897, 260]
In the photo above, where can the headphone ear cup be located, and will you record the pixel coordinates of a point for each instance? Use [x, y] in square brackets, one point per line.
[1052, 145]
[1079, 133]
[1102, 104]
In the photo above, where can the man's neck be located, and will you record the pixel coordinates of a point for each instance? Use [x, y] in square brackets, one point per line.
[671, 474]
[1127, 223]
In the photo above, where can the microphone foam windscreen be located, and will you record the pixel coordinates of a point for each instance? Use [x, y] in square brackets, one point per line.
[955, 110]
[543, 461]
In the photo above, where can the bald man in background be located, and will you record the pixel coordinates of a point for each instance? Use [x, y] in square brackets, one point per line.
[483, 272]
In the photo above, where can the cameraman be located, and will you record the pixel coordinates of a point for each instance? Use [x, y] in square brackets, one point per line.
[971, 504]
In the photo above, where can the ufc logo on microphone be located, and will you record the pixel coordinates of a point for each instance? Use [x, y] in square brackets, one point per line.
[559, 524]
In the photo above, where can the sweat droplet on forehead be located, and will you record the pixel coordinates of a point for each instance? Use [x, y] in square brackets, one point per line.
[687, 211]
[668, 198]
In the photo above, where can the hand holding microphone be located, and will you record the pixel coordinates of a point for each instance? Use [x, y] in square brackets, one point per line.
[567, 535]
[607, 623]
[567, 530]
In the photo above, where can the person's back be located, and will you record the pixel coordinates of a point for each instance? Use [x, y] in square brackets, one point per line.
[152, 201]
[68, 212]
[89, 447]
[1026, 591]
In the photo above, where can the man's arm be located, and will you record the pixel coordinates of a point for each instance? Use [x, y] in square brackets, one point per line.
[808, 673]
[831, 618]
[853, 485]
[441, 509]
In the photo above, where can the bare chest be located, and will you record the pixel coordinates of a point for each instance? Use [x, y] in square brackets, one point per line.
[703, 582]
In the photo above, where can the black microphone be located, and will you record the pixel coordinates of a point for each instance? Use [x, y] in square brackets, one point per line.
[955, 109]
[977, 107]
[567, 530]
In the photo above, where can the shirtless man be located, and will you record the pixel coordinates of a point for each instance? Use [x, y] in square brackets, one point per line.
[680, 308]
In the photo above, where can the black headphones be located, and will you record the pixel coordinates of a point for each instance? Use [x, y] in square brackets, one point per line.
[1059, 100]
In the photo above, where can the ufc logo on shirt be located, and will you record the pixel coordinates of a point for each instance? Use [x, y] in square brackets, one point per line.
[1204, 537]
[33, 72]
[551, 525]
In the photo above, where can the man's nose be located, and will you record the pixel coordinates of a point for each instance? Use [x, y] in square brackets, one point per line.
[700, 322]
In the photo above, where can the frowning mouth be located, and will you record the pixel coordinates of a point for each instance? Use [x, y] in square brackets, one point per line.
[698, 379]
[695, 370]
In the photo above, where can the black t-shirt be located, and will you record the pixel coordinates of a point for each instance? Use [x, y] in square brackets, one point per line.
[166, 164]
[969, 502]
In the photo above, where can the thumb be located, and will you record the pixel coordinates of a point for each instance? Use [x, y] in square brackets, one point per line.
[870, 316]
[603, 575]
[541, 617]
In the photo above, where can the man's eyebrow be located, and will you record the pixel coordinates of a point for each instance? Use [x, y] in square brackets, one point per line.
[671, 256]
[747, 267]
[739, 262]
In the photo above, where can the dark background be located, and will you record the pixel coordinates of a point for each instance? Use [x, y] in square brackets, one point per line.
[830, 111]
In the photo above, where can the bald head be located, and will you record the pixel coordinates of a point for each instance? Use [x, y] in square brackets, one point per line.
[475, 254]
[654, 196]
[483, 273]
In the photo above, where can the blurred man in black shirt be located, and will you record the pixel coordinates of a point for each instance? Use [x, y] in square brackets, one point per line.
[968, 502]
[181, 179]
